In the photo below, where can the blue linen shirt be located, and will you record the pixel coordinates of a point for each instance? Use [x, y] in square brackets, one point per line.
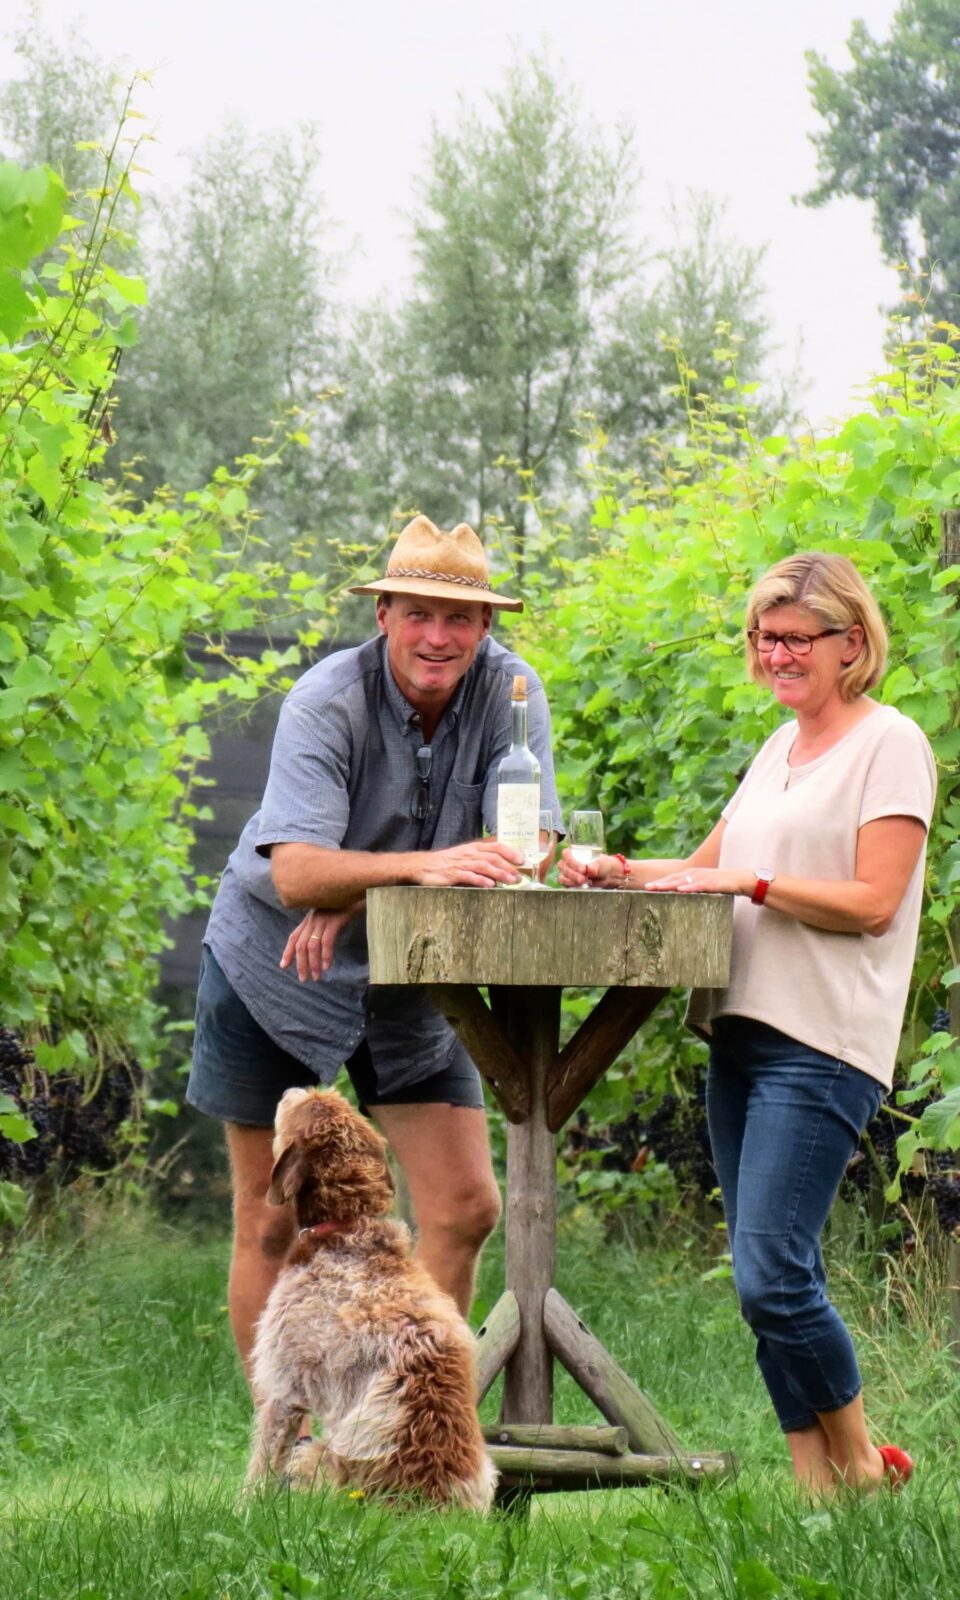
[342, 775]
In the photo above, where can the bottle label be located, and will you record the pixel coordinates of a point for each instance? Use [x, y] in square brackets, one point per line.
[518, 817]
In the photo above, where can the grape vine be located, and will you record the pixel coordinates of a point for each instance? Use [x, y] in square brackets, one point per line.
[637, 632]
[76, 1127]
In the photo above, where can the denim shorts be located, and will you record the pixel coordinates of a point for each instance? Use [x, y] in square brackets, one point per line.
[239, 1073]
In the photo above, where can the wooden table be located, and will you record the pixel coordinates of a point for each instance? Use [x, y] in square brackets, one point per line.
[525, 947]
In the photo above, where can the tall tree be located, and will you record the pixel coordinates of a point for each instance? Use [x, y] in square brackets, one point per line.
[519, 236]
[704, 312]
[63, 94]
[67, 107]
[239, 329]
[531, 308]
[892, 137]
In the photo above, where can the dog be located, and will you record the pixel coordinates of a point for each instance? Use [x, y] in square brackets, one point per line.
[356, 1333]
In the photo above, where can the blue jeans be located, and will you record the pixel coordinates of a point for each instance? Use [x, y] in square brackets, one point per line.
[784, 1121]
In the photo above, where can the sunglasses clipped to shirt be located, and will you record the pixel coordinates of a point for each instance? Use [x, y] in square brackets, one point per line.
[423, 761]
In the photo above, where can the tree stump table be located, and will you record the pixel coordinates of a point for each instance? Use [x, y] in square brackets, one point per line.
[525, 947]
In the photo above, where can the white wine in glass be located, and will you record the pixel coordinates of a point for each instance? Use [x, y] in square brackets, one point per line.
[586, 836]
[531, 866]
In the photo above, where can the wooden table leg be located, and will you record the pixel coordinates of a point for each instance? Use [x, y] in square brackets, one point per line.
[532, 1020]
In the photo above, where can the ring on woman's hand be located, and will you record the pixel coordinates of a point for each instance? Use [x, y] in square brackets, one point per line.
[314, 939]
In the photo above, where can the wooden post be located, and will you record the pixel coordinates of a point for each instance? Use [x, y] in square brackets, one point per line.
[543, 1436]
[486, 1043]
[525, 949]
[614, 1394]
[496, 1342]
[588, 1469]
[598, 939]
[595, 1046]
[533, 1025]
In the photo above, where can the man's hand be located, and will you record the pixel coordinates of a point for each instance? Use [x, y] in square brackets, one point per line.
[311, 944]
[479, 865]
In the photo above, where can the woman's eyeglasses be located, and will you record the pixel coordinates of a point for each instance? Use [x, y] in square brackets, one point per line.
[423, 761]
[798, 644]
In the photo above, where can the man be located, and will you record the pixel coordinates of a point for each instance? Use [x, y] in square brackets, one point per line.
[383, 771]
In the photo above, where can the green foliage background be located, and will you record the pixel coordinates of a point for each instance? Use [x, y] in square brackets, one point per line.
[100, 713]
[637, 631]
[634, 620]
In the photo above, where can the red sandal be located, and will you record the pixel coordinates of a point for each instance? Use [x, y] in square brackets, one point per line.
[897, 1465]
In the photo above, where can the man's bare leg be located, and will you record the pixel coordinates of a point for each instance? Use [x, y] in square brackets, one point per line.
[262, 1233]
[445, 1155]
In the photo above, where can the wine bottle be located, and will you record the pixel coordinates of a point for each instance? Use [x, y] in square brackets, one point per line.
[518, 786]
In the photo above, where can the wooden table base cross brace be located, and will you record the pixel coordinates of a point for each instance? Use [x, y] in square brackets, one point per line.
[451, 941]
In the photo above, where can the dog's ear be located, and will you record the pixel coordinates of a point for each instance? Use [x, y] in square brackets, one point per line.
[287, 1177]
[380, 1146]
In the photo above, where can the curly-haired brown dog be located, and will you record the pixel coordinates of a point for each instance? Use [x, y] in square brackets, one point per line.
[356, 1332]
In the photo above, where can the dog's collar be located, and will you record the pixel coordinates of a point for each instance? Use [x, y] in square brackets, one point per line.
[324, 1230]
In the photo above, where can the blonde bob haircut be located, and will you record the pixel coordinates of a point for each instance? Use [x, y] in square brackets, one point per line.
[832, 589]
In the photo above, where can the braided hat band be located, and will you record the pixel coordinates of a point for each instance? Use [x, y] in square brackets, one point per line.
[427, 561]
[437, 577]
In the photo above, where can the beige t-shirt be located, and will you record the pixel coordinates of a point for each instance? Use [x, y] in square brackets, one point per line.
[842, 993]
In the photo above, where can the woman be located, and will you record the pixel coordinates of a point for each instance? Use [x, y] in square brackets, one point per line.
[823, 845]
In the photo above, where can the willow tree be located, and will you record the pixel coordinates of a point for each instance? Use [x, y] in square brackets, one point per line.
[519, 234]
[240, 328]
[892, 137]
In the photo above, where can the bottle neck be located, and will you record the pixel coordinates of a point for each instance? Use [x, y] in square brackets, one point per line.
[518, 713]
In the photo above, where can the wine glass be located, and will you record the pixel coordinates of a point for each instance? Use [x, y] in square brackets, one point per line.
[544, 840]
[586, 837]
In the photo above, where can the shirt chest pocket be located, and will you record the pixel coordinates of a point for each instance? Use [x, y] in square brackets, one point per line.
[461, 817]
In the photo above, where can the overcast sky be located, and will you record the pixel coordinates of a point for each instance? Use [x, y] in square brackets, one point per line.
[716, 90]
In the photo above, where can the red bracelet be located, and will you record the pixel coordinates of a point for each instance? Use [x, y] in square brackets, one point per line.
[624, 864]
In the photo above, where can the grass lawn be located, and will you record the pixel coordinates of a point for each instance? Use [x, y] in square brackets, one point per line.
[124, 1431]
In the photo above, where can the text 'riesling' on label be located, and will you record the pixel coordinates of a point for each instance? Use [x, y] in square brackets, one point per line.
[518, 817]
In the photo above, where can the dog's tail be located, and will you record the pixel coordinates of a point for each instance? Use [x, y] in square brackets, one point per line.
[425, 1407]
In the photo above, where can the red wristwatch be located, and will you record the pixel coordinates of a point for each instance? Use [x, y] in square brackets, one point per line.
[764, 880]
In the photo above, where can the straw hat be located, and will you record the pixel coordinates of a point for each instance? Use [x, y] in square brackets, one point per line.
[439, 566]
